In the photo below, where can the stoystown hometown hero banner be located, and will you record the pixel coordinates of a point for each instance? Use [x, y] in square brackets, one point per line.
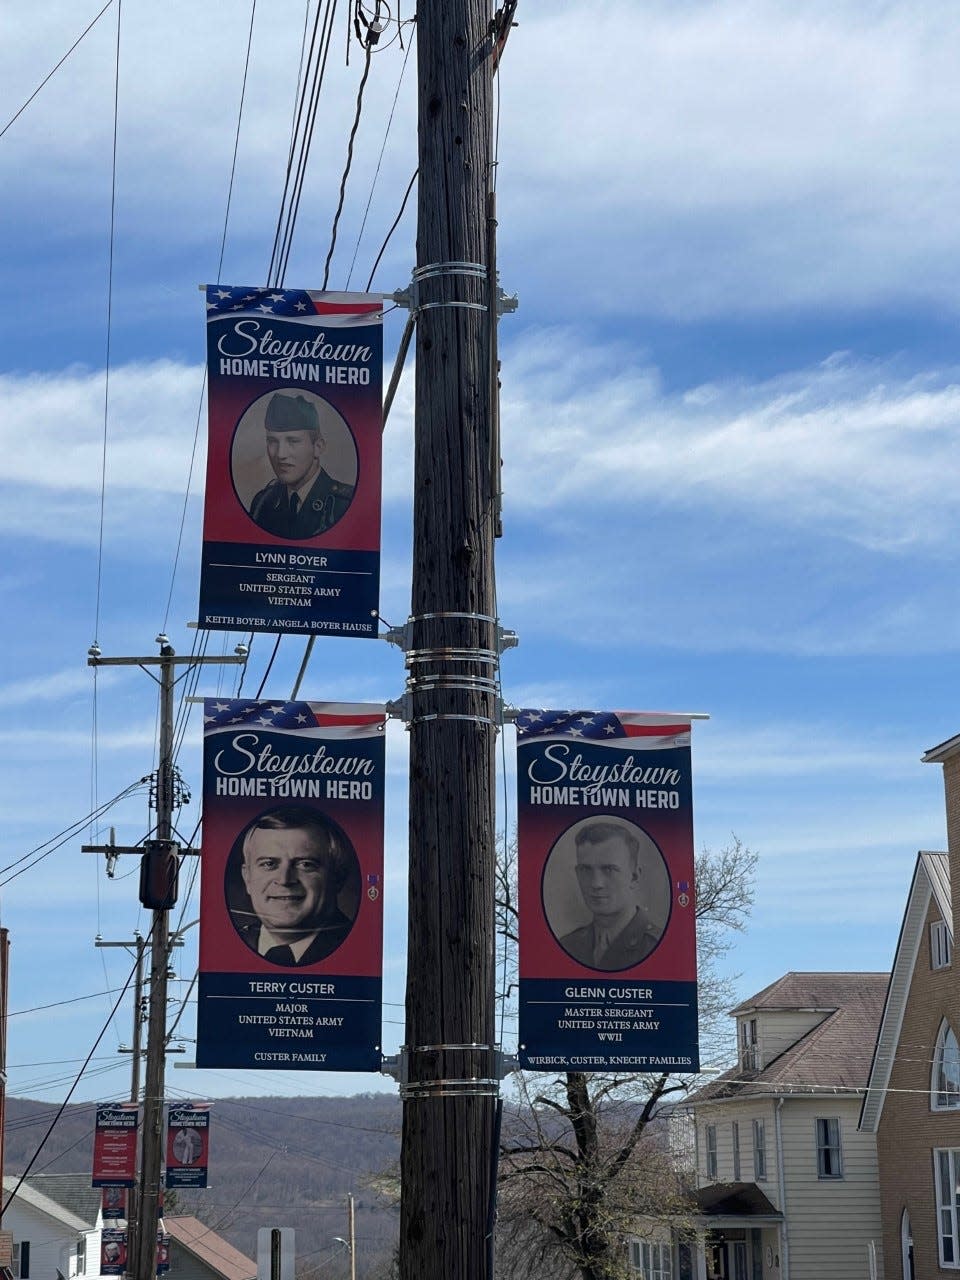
[291, 903]
[291, 530]
[188, 1145]
[608, 953]
[115, 1144]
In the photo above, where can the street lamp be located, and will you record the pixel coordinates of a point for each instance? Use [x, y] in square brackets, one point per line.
[351, 1244]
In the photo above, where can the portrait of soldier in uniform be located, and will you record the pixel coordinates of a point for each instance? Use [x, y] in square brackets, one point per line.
[300, 886]
[618, 879]
[303, 499]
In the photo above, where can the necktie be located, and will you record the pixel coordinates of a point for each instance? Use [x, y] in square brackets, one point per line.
[601, 942]
[280, 955]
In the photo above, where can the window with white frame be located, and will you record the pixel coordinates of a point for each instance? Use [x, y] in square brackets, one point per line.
[710, 1136]
[829, 1164]
[946, 1165]
[940, 955]
[749, 1049]
[81, 1255]
[652, 1259]
[759, 1150]
[736, 1150]
[945, 1082]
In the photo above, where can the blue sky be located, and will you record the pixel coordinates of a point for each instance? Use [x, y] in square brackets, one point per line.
[730, 429]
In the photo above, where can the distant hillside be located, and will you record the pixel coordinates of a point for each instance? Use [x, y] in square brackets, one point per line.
[273, 1162]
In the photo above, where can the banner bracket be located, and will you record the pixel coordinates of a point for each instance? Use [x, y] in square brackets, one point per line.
[439, 1085]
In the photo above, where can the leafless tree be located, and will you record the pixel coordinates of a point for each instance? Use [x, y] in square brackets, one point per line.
[586, 1158]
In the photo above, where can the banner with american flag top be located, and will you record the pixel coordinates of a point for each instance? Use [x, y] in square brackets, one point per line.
[291, 531]
[291, 908]
[608, 978]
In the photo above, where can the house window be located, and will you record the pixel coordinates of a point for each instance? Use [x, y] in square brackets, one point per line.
[828, 1149]
[21, 1259]
[945, 1084]
[947, 1171]
[759, 1151]
[749, 1049]
[736, 1151]
[81, 1255]
[711, 1136]
[651, 1259]
[940, 954]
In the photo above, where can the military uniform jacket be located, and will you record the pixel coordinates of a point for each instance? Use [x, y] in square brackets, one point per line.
[323, 506]
[328, 937]
[631, 945]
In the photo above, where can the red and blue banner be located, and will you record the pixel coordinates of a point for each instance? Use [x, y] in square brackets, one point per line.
[188, 1145]
[608, 952]
[291, 904]
[113, 1204]
[115, 1144]
[113, 1251]
[291, 531]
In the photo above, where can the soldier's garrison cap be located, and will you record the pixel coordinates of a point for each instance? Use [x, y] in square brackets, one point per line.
[291, 413]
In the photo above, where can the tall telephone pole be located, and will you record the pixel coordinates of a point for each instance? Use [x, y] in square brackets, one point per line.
[158, 880]
[450, 1073]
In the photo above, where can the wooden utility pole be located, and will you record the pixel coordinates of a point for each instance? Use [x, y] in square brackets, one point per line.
[157, 886]
[450, 1072]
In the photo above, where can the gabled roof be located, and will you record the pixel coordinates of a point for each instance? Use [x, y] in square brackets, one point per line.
[835, 1055]
[811, 992]
[942, 751]
[205, 1244]
[931, 880]
[37, 1200]
[71, 1190]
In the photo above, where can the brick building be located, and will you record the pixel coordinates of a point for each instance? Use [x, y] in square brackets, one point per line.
[912, 1103]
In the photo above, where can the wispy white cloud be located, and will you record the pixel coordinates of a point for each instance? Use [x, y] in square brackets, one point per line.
[857, 450]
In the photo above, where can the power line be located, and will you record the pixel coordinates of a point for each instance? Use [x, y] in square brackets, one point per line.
[63, 1105]
[16, 116]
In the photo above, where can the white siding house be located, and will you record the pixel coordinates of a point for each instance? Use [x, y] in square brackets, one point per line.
[787, 1185]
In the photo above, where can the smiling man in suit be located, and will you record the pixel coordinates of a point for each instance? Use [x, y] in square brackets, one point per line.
[294, 866]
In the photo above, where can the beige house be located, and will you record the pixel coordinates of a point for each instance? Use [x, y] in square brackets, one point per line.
[912, 1105]
[787, 1184]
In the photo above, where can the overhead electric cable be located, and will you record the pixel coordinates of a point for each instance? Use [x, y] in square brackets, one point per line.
[376, 174]
[63, 1105]
[106, 379]
[396, 223]
[303, 131]
[69, 832]
[16, 116]
[347, 165]
[223, 242]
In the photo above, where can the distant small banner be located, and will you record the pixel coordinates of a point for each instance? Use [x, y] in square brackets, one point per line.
[608, 953]
[291, 531]
[113, 1251]
[113, 1204]
[163, 1253]
[115, 1145]
[188, 1133]
[291, 903]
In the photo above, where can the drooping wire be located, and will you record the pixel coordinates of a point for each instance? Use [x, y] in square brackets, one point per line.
[68, 833]
[376, 175]
[396, 223]
[63, 1106]
[16, 116]
[368, 54]
[106, 380]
